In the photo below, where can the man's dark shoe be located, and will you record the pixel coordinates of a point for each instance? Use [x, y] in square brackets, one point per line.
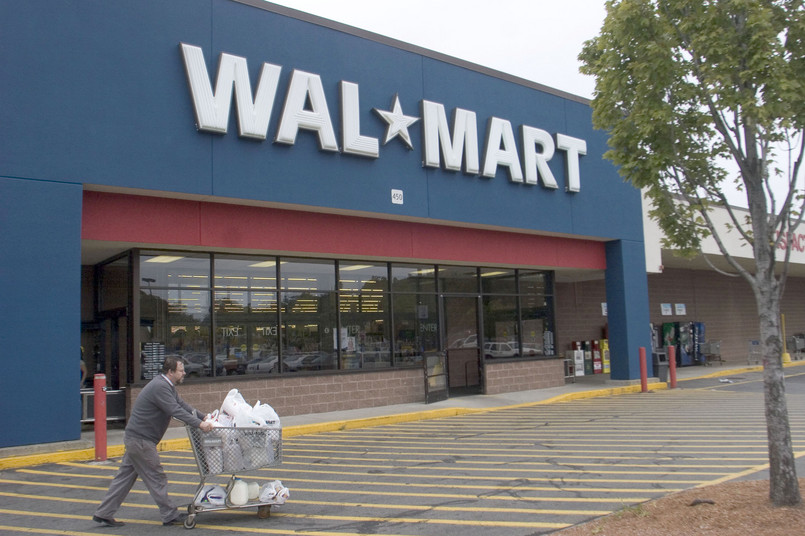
[107, 522]
[178, 520]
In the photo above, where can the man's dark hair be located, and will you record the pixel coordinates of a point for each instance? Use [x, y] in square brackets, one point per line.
[170, 364]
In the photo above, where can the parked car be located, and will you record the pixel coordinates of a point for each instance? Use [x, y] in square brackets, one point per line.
[194, 361]
[529, 349]
[498, 349]
[190, 368]
[293, 362]
[262, 365]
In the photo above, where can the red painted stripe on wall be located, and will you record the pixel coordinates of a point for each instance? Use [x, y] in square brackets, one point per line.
[176, 223]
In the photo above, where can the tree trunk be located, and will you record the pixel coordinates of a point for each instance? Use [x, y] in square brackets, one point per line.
[783, 481]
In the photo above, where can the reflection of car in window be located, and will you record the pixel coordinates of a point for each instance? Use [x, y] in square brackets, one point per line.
[528, 348]
[498, 349]
[191, 368]
[467, 342]
[262, 364]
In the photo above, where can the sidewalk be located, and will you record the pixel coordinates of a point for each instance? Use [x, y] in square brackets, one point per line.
[176, 436]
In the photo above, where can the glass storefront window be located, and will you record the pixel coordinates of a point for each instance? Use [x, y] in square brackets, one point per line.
[498, 281]
[413, 278]
[532, 282]
[307, 276]
[501, 337]
[256, 273]
[168, 269]
[537, 325]
[285, 315]
[309, 334]
[246, 331]
[363, 277]
[416, 327]
[175, 322]
[458, 279]
[365, 325]
[114, 284]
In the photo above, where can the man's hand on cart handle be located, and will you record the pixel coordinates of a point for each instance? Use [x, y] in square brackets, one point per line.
[205, 426]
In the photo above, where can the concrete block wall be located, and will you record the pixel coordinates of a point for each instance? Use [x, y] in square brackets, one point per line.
[513, 376]
[725, 304]
[301, 395]
[578, 313]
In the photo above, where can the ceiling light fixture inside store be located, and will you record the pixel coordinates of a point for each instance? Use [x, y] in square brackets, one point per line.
[164, 259]
[354, 267]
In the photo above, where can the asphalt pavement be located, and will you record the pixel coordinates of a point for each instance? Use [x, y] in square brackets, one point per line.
[517, 464]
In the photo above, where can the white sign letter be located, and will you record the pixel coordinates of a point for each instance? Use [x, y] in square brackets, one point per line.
[212, 109]
[295, 116]
[574, 147]
[538, 161]
[465, 138]
[499, 132]
[351, 137]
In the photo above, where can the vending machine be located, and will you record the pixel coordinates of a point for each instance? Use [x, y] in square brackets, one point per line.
[684, 347]
[586, 348]
[698, 338]
[598, 363]
[686, 338]
[578, 357]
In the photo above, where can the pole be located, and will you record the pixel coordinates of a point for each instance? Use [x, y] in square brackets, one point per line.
[786, 355]
[643, 371]
[99, 415]
[672, 366]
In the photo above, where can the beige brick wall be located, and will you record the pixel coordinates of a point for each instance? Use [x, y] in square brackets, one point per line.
[725, 304]
[578, 313]
[513, 376]
[300, 395]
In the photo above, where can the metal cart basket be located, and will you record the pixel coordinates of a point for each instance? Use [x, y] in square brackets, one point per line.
[233, 451]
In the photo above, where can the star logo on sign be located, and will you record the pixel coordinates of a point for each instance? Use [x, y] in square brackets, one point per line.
[398, 122]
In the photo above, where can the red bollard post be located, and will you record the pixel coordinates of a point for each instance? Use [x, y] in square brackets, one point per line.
[672, 366]
[643, 371]
[99, 415]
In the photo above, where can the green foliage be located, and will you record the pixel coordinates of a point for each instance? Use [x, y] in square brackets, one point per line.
[683, 86]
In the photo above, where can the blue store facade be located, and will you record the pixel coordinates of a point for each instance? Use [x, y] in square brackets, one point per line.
[321, 217]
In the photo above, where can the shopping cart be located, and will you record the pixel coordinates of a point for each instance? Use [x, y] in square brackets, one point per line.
[233, 451]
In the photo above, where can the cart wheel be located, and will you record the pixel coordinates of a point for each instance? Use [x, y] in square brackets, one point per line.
[264, 511]
[190, 522]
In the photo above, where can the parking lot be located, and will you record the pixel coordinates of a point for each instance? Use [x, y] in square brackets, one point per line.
[518, 471]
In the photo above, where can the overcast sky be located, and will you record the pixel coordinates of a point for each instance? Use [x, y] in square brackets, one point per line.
[538, 40]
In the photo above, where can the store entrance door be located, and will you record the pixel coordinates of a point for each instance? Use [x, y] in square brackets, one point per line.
[464, 370]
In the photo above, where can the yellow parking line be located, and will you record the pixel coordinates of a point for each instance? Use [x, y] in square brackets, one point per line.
[477, 486]
[226, 528]
[362, 519]
[472, 456]
[426, 521]
[482, 496]
[496, 463]
[474, 477]
[619, 499]
[66, 499]
[430, 508]
[519, 471]
[46, 531]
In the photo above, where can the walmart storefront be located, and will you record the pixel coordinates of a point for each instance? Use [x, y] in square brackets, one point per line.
[323, 218]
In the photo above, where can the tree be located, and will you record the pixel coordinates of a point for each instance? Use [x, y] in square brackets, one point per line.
[690, 90]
